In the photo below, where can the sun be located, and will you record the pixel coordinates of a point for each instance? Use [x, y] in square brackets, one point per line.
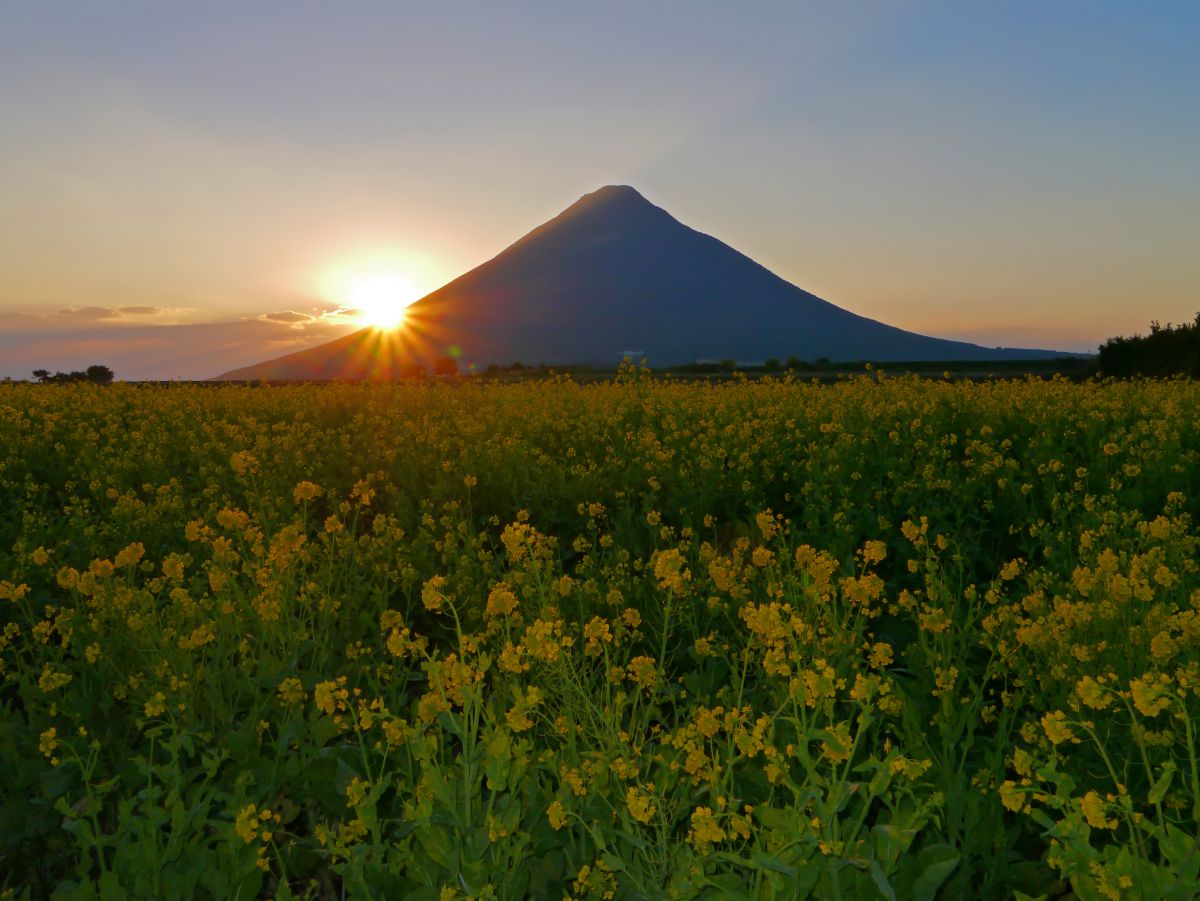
[380, 298]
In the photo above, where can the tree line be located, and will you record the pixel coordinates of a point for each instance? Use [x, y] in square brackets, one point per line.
[1168, 350]
[96, 374]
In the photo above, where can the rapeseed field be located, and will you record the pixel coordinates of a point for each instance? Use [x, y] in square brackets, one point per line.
[887, 638]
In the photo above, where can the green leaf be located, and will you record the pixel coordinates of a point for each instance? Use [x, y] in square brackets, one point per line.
[935, 865]
[772, 862]
[613, 862]
[499, 759]
[881, 881]
[1158, 791]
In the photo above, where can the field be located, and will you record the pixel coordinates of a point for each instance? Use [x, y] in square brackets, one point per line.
[887, 638]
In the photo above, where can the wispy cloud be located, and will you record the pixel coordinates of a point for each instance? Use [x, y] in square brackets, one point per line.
[287, 316]
[188, 351]
[93, 316]
[88, 314]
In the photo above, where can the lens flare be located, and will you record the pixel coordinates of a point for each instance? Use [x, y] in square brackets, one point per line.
[379, 297]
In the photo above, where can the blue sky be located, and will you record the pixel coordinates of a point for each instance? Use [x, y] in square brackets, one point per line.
[1016, 173]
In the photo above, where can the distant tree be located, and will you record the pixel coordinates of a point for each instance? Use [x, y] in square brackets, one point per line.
[517, 366]
[794, 363]
[772, 365]
[1168, 350]
[728, 365]
[101, 375]
[97, 374]
[445, 366]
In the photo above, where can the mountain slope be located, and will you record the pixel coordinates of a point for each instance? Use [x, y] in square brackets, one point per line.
[610, 275]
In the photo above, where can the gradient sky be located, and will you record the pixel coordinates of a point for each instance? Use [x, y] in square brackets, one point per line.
[181, 183]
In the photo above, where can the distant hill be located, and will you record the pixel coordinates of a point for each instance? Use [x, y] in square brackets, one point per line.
[613, 274]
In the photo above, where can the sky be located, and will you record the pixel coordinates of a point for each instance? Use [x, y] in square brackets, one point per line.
[188, 188]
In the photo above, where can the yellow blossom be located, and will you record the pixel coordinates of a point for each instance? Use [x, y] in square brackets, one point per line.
[1056, 727]
[641, 805]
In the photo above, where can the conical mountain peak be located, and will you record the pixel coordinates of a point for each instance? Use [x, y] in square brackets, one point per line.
[612, 193]
[610, 275]
[611, 200]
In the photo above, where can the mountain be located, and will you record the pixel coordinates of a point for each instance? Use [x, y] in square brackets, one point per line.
[613, 274]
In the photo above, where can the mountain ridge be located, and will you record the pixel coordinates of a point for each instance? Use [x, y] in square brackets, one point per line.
[610, 273]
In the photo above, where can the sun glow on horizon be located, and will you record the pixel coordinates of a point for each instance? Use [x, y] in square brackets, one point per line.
[373, 292]
[379, 298]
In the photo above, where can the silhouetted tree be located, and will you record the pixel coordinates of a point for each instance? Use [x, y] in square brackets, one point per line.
[101, 375]
[1168, 350]
[97, 374]
[445, 366]
[772, 365]
[728, 365]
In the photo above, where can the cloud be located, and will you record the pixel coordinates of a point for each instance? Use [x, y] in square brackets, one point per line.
[89, 313]
[92, 316]
[287, 316]
[190, 351]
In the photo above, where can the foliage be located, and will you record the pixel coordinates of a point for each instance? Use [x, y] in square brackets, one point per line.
[1167, 350]
[886, 638]
[96, 374]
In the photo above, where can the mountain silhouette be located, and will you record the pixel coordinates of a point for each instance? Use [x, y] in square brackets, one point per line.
[611, 275]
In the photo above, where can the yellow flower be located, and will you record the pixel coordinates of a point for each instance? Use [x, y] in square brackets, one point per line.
[670, 571]
[243, 462]
[291, 690]
[643, 672]
[1091, 693]
[705, 830]
[48, 741]
[762, 556]
[432, 595]
[305, 491]
[500, 602]
[247, 823]
[1056, 727]
[330, 696]
[156, 705]
[518, 719]
[881, 655]
[1011, 796]
[641, 804]
[355, 791]
[557, 815]
[597, 633]
[130, 555]
[50, 680]
[874, 551]
[1150, 696]
[1092, 806]
[766, 524]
